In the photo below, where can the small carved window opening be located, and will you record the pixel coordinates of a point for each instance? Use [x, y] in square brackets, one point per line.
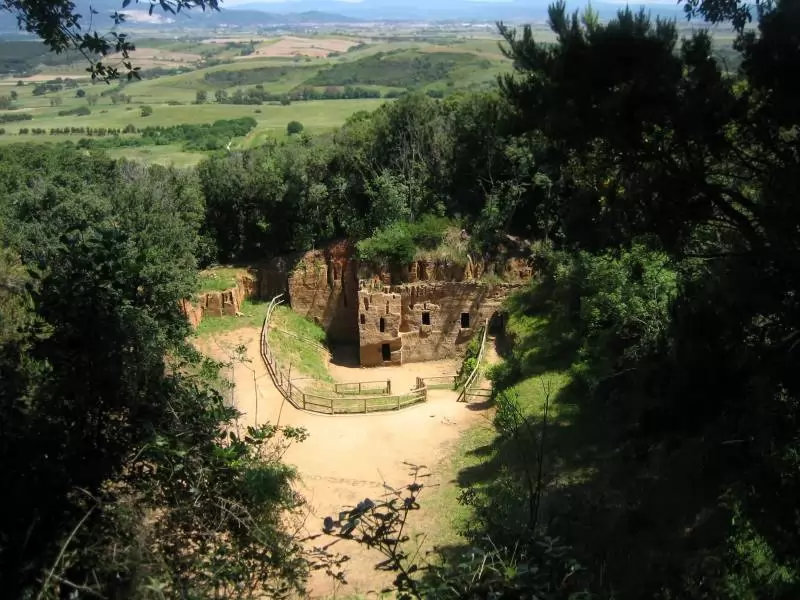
[386, 352]
[382, 325]
[465, 320]
[363, 319]
[426, 318]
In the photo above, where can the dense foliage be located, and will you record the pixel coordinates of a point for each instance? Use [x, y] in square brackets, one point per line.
[259, 75]
[214, 136]
[397, 68]
[671, 301]
[122, 466]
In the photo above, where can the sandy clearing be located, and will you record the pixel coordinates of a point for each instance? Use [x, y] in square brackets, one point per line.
[348, 457]
[294, 46]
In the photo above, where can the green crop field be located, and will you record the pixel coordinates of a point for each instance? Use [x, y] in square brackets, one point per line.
[175, 70]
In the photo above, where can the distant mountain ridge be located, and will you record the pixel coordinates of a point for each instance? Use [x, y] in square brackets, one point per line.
[243, 17]
[454, 10]
[296, 12]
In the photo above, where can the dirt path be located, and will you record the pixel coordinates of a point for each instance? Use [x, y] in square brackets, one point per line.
[348, 457]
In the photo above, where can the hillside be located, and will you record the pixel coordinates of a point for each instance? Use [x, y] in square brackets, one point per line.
[400, 68]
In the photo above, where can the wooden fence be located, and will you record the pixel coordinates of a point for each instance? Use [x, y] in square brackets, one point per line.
[440, 382]
[317, 402]
[364, 387]
[474, 377]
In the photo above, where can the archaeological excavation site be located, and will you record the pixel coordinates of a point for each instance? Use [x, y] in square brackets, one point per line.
[426, 310]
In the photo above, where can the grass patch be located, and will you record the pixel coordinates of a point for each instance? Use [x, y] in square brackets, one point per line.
[218, 279]
[253, 312]
[450, 249]
[303, 357]
[480, 455]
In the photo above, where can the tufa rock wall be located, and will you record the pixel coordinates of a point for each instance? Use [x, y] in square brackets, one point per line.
[422, 311]
[216, 304]
[424, 321]
[321, 285]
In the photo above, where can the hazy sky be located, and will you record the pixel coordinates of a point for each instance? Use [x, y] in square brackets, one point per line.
[633, 3]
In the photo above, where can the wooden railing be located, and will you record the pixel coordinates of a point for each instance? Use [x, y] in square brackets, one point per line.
[364, 387]
[474, 377]
[439, 382]
[317, 402]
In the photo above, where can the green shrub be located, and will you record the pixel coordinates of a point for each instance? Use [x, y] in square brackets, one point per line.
[392, 245]
[400, 242]
[294, 127]
[81, 111]
[15, 117]
[146, 111]
[470, 360]
[429, 231]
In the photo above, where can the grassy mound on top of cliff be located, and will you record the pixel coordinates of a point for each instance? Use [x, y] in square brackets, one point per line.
[218, 279]
[430, 238]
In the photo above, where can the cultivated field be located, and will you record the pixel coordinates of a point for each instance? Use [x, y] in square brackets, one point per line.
[359, 73]
[290, 46]
[327, 76]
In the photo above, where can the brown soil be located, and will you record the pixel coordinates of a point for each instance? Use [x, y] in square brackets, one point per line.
[146, 58]
[348, 457]
[293, 46]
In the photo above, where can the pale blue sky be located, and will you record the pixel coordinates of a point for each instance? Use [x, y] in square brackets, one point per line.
[423, 2]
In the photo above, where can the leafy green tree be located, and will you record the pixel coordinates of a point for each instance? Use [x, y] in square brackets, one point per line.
[121, 461]
[146, 110]
[201, 97]
[268, 201]
[294, 127]
[647, 136]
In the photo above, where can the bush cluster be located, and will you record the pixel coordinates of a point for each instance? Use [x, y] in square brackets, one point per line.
[15, 117]
[80, 111]
[399, 243]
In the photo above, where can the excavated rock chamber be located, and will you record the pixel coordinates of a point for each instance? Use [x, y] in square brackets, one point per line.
[426, 310]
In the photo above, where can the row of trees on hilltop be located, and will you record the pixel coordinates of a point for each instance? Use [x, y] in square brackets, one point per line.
[661, 193]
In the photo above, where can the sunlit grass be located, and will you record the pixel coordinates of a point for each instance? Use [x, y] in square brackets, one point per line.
[218, 279]
[304, 358]
[253, 312]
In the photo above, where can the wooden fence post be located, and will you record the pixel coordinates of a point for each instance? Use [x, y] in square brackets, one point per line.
[389, 386]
